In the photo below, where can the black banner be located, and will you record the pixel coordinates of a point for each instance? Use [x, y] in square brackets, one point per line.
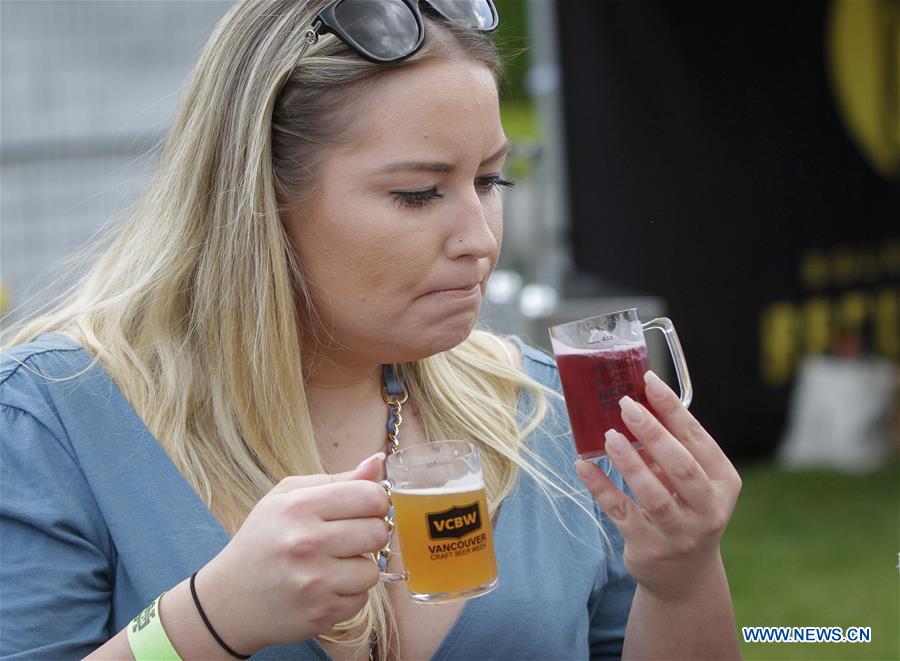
[713, 161]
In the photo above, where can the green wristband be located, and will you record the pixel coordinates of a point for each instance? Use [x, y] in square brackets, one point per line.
[147, 638]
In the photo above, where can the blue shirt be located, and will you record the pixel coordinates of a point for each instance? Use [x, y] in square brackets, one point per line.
[96, 521]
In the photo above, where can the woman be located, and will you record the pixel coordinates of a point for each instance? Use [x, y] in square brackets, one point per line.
[319, 214]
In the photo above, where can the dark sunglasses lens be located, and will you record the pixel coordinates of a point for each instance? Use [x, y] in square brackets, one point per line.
[475, 14]
[386, 29]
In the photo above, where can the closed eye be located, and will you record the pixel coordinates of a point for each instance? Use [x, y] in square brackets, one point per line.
[494, 182]
[417, 199]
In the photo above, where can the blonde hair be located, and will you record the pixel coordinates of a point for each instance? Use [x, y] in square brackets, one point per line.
[194, 306]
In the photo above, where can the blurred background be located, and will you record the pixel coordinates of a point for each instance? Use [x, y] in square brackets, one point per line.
[733, 166]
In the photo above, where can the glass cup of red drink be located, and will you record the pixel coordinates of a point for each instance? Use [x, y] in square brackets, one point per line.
[602, 359]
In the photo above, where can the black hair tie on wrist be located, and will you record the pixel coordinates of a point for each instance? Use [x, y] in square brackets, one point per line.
[210, 626]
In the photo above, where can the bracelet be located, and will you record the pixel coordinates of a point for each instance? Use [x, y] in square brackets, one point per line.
[207, 623]
[147, 638]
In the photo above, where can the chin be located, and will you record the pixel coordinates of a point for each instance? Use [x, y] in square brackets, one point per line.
[442, 339]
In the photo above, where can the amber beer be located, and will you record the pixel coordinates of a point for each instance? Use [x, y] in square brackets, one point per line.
[445, 540]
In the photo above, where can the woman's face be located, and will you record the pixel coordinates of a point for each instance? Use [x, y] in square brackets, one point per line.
[397, 245]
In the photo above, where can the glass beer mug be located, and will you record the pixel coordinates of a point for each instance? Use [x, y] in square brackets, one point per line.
[441, 520]
[602, 359]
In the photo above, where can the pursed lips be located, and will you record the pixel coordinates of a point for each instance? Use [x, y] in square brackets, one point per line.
[457, 288]
[466, 287]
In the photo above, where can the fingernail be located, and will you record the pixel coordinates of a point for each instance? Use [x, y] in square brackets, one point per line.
[584, 471]
[615, 444]
[655, 385]
[630, 410]
[378, 456]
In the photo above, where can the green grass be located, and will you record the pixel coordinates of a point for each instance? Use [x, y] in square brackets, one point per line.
[817, 548]
[520, 122]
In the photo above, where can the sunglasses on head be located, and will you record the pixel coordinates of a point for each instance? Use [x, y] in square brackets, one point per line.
[390, 30]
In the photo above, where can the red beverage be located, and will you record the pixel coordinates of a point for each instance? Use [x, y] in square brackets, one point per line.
[593, 384]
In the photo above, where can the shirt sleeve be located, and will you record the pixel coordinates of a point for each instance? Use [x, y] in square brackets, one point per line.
[611, 600]
[55, 553]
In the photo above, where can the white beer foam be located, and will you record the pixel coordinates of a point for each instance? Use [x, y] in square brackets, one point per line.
[560, 349]
[459, 485]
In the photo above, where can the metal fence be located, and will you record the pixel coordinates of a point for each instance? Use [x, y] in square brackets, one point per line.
[86, 89]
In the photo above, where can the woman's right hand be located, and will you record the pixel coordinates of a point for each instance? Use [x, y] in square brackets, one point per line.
[296, 567]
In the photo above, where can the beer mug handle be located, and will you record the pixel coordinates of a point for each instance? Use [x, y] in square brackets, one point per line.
[681, 371]
[393, 577]
[386, 576]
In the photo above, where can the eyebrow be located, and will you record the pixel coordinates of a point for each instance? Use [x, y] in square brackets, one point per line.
[422, 166]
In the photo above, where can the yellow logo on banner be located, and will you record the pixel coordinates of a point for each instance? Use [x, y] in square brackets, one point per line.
[863, 50]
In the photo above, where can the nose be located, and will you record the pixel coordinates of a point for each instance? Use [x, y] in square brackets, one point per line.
[475, 229]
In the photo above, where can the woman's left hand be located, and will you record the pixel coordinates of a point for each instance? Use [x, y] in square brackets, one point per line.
[686, 489]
